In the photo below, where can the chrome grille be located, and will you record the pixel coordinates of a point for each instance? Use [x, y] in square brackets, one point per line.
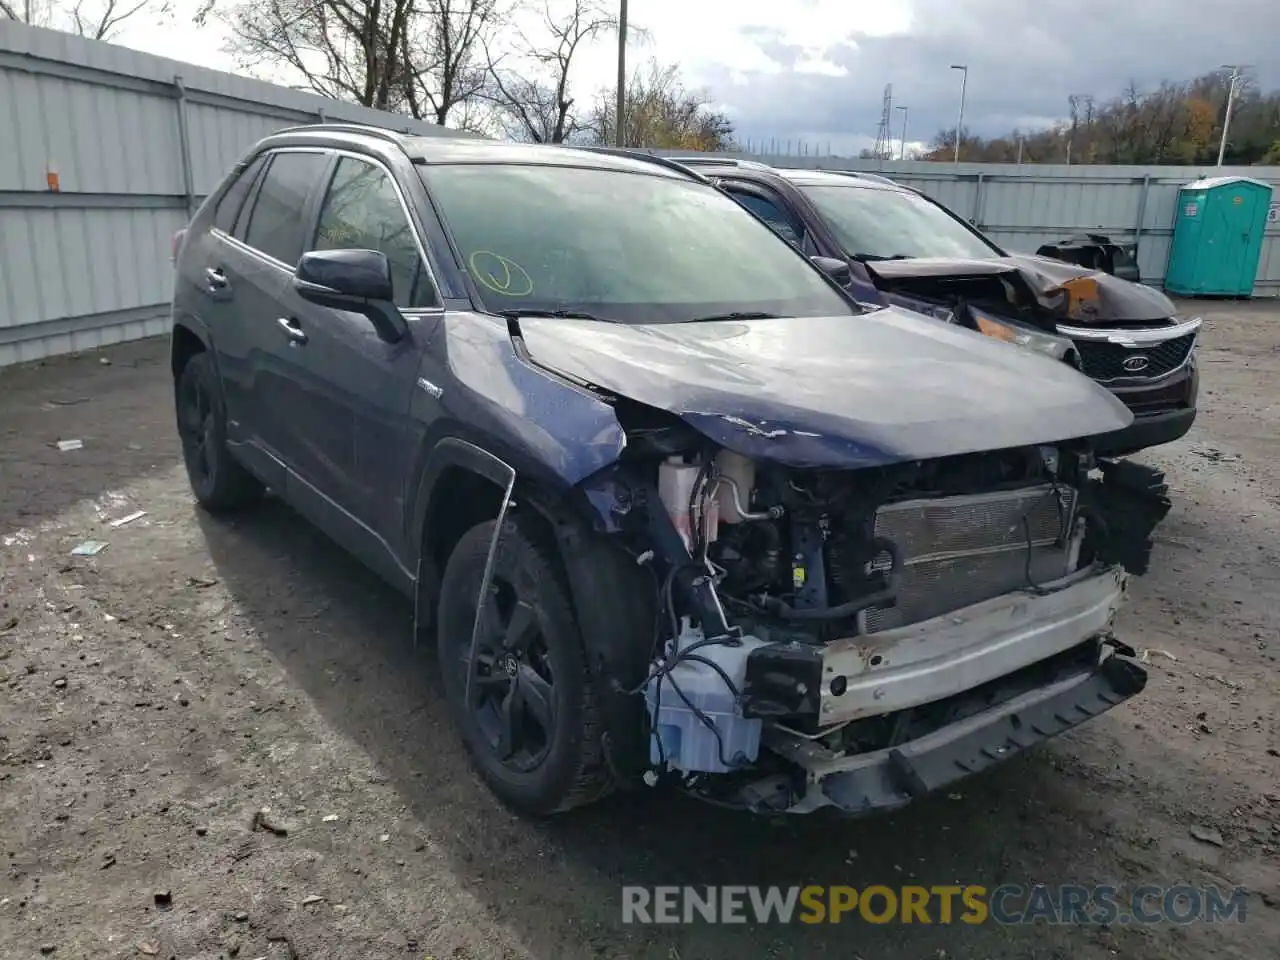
[1105, 361]
[957, 551]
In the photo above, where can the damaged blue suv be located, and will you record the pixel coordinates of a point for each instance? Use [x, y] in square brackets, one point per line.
[670, 506]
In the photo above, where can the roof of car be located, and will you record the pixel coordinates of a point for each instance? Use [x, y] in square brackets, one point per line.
[465, 149]
[458, 150]
[808, 178]
[841, 178]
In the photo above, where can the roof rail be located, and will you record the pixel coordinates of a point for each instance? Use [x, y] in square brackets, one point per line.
[635, 153]
[367, 130]
[858, 174]
[711, 160]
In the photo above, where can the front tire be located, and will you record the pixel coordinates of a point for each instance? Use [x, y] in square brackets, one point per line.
[219, 482]
[532, 727]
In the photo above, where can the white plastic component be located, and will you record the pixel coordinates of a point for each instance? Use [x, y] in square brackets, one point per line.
[686, 742]
[742, 471]
[675, 486]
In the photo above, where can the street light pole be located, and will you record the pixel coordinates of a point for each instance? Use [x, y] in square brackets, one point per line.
[964, 83]
[1235, 69]
[619, 137]
[902, 148]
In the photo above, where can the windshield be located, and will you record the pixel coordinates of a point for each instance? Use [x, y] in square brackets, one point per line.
[893, 224]
[626, 247]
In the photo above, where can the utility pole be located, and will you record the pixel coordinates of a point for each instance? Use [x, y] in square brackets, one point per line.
[902, 147]
[1235, 69]
[964, 82]
[619, 137]
[884, 134]
[1074, 102]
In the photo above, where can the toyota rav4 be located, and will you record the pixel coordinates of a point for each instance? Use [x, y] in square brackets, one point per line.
[668, 507]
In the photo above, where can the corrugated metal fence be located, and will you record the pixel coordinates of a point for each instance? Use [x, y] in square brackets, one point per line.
[1022, 206]
[133, 142]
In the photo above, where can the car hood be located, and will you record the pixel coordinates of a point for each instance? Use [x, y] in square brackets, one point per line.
[839, 392]
[1091, 295]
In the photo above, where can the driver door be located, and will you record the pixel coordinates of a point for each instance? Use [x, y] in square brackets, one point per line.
[359, 432]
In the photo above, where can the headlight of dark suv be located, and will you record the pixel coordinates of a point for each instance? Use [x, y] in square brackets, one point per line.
[1021, 334]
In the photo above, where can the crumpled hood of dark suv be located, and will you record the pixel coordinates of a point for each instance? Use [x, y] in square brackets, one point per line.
[837, 392]
[1097, 297]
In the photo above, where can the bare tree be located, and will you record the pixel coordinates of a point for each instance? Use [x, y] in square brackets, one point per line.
[342, 49]
[96, 20]
[530, 84]
[444, 52]
[420, 57]
[659, 111]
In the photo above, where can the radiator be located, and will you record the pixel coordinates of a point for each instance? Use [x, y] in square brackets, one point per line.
[957, 551]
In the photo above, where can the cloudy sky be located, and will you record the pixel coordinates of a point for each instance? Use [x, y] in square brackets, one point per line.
[815, 70]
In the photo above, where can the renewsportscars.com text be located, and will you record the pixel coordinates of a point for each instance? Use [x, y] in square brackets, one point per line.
[972, 904]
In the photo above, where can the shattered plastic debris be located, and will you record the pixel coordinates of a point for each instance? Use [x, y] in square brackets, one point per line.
[65, 445]
[1149, 651]
[1206, 835]
[1216, 455]
[90, 548]
[137, 514]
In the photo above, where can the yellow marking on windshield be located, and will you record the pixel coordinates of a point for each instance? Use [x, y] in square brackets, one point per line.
[501, 282]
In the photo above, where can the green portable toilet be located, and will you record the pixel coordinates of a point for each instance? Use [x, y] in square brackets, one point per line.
[1217, 237]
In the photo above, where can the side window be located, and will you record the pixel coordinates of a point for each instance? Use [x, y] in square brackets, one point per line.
[276, 221]
[363, 211]
[224, 217]
[770, 213]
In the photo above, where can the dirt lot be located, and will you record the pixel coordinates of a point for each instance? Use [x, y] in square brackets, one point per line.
[154, 697]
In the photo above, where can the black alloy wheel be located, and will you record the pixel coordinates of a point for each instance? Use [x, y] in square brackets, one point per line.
[219, 482]
[530, 722]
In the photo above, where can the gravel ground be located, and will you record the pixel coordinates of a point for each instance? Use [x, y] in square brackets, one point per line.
[155, 697]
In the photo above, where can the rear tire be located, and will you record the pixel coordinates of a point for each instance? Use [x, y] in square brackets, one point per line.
[220, 484]
[532, 728]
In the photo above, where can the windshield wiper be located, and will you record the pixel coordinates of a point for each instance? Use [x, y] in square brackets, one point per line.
[738, 315]
[558, 314]
[872, 257]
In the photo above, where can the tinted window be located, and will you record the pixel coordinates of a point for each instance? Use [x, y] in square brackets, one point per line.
[275, 225]
[893, 223]
[631, 247]
[231, 202]
[770, 213]
[362, 210]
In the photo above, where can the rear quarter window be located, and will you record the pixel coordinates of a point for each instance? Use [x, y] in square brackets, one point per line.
[233, 199]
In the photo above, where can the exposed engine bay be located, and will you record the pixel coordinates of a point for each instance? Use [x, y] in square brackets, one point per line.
[833, 616]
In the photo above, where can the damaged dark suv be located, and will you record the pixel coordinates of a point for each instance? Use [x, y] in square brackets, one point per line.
[906, 249]
[667, 509]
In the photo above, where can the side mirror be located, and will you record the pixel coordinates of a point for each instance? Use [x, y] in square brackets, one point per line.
[837, 270]
[355, 280]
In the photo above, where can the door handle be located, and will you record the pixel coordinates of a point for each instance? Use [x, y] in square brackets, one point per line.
[295, 333]
[215, 277]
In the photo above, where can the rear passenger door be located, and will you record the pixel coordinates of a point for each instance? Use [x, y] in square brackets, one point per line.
[357, 425]
[275, 386]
